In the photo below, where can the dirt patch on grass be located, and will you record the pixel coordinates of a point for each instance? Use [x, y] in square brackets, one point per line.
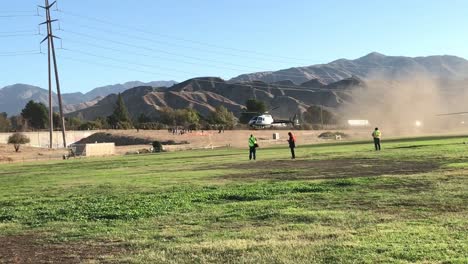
[33, 249]
[328, 169]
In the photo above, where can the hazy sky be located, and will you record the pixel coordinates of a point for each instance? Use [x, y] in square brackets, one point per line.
[108, 41]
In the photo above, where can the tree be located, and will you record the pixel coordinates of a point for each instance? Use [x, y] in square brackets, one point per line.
[167, 116]
[222, 116]
[56, 120]
[180, 117]
[254, 108]
[143, 118]
[17, 139]
[98, 123]
[186, 117]
[102, 123]
[36, 115]
[18, 123]
[73, 123]
[254, 105]
[5, 123]
[120, 118]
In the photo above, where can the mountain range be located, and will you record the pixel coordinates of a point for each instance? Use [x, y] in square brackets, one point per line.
[293, 89]
[206, 93]
[371, 66]
[14, 97]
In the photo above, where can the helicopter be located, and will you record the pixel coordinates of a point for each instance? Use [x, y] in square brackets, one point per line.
[266, 120]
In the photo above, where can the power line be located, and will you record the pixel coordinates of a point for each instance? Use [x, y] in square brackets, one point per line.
[152, 56]
[172, 44]
[15, 16]
[153, 49]
[22, 51]
[132, 63]
[169, 53]
[111, 66]
[179, 38]
[185, 62]
[16, 11]
[19, 54]
[171, 59]
[305, 75]
[19, 35]
[201, 79]
[17, 31]
[124, 61]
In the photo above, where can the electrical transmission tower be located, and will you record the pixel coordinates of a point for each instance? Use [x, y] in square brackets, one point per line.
[51, 54]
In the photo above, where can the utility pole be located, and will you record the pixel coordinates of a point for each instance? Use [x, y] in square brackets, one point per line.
[51, 51]
[51, 111]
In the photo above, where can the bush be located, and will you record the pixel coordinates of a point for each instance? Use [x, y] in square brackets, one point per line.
[90, 125]
[123, 125]
[17, 139]
[157, 147]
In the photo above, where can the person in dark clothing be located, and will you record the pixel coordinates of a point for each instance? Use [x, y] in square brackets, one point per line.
[377, 135]
[292, 144]
[252, 147]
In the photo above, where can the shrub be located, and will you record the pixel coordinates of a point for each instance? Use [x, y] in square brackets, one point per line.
[157, 146]
[17, 139]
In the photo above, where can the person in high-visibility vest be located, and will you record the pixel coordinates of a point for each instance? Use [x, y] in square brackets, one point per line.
[377, 135]
[252, 147]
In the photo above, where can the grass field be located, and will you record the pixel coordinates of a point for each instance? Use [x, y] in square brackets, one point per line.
[337, 203]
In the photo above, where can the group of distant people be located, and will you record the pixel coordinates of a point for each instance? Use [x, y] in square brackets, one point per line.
[253, 145]
[179, 131]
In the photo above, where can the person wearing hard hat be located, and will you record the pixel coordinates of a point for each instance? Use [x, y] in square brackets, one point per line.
[377, 135]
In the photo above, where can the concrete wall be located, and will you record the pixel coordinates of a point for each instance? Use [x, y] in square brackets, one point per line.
[41, 139]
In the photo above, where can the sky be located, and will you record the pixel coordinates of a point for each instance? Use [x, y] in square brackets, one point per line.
[107, 41]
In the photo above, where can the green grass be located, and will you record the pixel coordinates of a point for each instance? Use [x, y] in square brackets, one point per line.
[216, 207]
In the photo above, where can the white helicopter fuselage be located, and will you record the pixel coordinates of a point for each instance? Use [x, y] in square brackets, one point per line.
[261, 121]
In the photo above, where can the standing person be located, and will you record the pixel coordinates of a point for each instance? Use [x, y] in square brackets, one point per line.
[252, 147]
[292, 144]
[377, 135]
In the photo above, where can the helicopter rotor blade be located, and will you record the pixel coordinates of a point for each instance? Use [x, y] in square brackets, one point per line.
[274, 108]
[449, 114]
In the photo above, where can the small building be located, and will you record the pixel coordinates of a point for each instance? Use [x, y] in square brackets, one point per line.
[93, 150]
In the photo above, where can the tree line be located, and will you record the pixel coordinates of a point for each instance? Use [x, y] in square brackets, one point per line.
[34, 116]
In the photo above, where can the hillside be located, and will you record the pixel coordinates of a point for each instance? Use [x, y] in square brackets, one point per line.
[14, 97]
[371, 66]
[204, 94]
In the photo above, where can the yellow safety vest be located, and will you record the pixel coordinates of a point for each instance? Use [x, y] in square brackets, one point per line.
[252, 141]
[377, 134]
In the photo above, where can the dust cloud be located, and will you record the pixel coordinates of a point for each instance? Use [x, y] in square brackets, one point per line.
[410, 105]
